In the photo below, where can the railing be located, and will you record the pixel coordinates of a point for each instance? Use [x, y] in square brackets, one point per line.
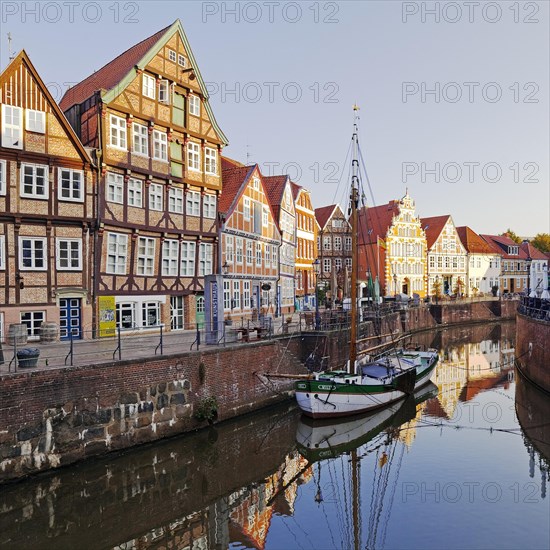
[535, 308]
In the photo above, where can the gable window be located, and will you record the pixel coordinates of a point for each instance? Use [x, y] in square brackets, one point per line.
[181, 60]
[164, 92]
[2, 252]
[155, 197]
[170, 250]
[210, 161]
[148, 88]
[172, 55]
[70, 185]
[246, 208]
[256, 183]
[118, 132]
[160, 145]
[34, 181]
[229, 249]
[36, 121]
[193, 156]
[135, 192]
[117, 249]
[146, 256]
[193, 203]
[69, 254]
[115, 187]
[140, 139]
[12, 127]
[175, 200]
[3, 177]
[205, 259]
[187, 266]
[265, 216]
[209, 206]
[239, 250]
[194, 105]
[32, 253]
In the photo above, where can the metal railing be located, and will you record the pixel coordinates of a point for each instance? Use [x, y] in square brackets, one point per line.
[535, 308]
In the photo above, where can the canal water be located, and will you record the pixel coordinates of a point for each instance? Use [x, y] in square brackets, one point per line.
[462, 464]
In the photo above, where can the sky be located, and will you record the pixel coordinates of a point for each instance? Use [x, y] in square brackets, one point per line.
[454, 96]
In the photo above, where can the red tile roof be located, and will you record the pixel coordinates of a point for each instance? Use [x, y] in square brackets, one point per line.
[530, 250]
[274, 187]
[233, 180]
[375, 221]
[111, 74]
[433, 227]
[228, 163]
[295, 189]
[323, 214]
[501, 244]
[472, 242]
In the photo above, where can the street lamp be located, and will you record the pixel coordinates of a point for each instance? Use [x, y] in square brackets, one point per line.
[368, 285]
[317, 269]
[395, 284]
[528, 262]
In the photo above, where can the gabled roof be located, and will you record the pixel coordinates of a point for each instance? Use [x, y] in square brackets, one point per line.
[433, 227]
[501, 244]
[23, 58]
[531, 251]
[234, 181]
[113, 78]
[228, 163]
[375, 221]
[472, 242]
[274, 187]
[324, 214]
[295, 190]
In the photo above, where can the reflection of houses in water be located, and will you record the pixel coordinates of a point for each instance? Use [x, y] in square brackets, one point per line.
[407, 432]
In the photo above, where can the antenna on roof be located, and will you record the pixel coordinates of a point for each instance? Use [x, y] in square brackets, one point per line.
[247, 155]
[10, 53]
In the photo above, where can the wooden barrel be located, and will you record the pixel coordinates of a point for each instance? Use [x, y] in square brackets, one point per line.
[49, 332]
[17, 334]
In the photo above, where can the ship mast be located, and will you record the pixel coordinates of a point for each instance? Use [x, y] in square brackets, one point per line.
[354, 199]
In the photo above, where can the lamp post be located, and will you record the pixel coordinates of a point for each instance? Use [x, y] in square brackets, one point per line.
[436, 289]
[528, 262]
[317, 269]
[395, 285]
[368, 285]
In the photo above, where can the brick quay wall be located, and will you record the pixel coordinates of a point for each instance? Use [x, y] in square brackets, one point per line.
[533, 350]
[54, 417]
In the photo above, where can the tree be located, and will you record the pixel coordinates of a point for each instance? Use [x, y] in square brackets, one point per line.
[512, 235]
[542, 242]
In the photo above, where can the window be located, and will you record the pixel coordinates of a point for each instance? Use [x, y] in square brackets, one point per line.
[36, 121]
[337, 263]
[34, 181]
[205, 259]
[33, 320]
[187, 266]
[177, 313]
[210, 161]
[135, 193]
[239, 250]
[69, 254]
[118, 132]
[348, 263]
[326, 265]
[156, 194]
[170, 249]
[246, 208]
[209, 206]
[12, 127]
[164, 92]
[229, 249]
[268, 255]
[337, 223]
[2, 252]
[347, 243]
[326, 243]
[236, 299]
[150, 314]
[146, 256]
[194, 105]
[148, 89]
[70, 186]
[140, 139]
[259, 254]
[226, 295]
[265, 216]
[117, 247]
[3, 177]
[32, 253]
[178, 109]
[181, 60]
[246, 294]
[126, 315]
[172, 55]
[175, 200]
[160, 145]
[249, 252]
[193, 156]
[115, 187]
[193, 203]
[337, 243]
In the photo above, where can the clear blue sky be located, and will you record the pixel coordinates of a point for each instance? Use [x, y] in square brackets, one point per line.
[296, 69]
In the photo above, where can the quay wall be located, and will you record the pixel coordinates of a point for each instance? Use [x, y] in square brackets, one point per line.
[54, 417]
[533, 350]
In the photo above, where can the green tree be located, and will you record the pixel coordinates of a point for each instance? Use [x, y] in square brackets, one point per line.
[512, 235]
[542, 242]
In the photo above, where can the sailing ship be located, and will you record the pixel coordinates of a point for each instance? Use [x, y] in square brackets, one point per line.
[366, 382]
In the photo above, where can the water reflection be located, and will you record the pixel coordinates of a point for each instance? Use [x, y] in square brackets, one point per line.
[245, 485]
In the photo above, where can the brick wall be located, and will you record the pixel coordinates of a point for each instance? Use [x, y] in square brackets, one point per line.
[533, 350]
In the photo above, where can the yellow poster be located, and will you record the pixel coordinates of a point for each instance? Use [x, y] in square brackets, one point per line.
[107, 316]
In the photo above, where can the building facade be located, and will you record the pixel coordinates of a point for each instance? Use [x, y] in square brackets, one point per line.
[147, 114]
[47, 195]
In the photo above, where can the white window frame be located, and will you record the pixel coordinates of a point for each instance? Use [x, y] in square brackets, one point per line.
[156, 197]
[2, 252]
[148, 86]
[115, 187]
[205, 259]
[246, 208]
[34, 194]
[258, 254]
[181, 60]
[135, 193]
[146, 308]
[175, 200]
[265, 216]
[209, 206]
[118, 132]
[239, 250]
[140, 139]
[164, 92]
[210, 161]
[3, 177]
[327, 265]
[246, 294]
[229, 250]
[117, 253]
[187, 261]
[146, 247]
[236, 296]
[64, 258]
[193, 156]
[35, 121]
[194, 105]
[160, 145]
[249, 253]
[193, 203]
[67, 183]
[33, 328]
[170, 258]
[172, 55]
[12, 132]
[36, 263]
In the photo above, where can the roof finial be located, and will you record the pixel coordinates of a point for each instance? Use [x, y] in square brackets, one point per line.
[10, 53]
